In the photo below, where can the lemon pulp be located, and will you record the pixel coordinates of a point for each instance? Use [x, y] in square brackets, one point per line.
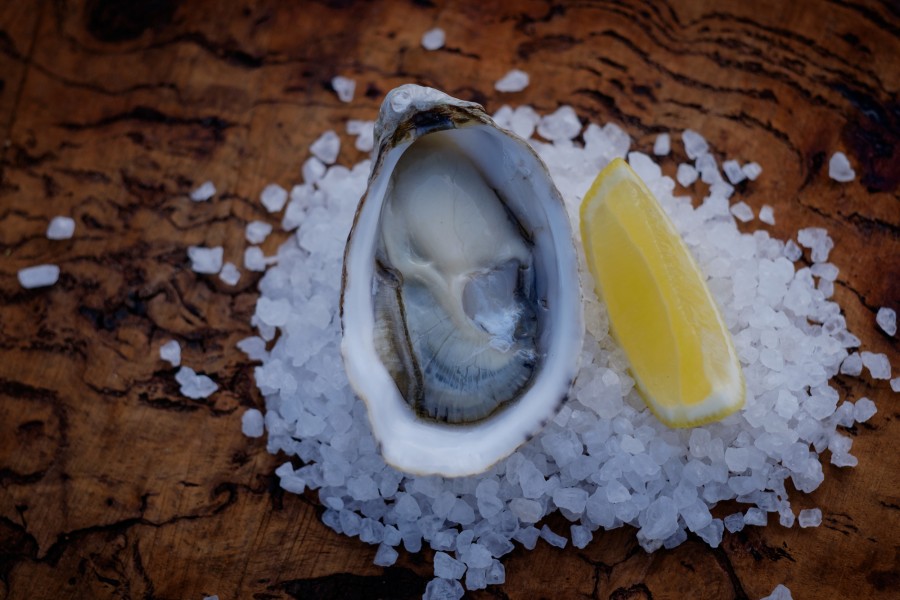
[661, 311]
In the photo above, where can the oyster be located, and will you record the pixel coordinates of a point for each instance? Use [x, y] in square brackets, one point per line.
[461, 305]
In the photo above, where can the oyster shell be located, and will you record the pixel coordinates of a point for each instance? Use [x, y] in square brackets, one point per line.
[461, 304]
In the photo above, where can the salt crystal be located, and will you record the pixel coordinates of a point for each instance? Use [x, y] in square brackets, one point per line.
[878, 365]
[662, 145]
[523, 121]
[385, 556]
[477, 557]
[257, 231]
[252, 424]
[686, 174]
[531, 480]
[816, 239]
[496, 573]
[476, 579]
[273, 197]
[38, 276]
[767, 214]
[811, 517]
[863, 410]
[528, 537]
[313, 170]
[254, 260]
[571, 499]
[327, 147]
[213, 597]
[694, 144]
[887, 320]
[752, 170]
[514, 81]
[792, 251]
[364, 132]
[528, 511]
[206, 260]
[195, 386]
[755, 516]
[171, 352]
[230, 274]
[203, 192]
[60, 228]
[852, 365]
[895, 384]
[344, 87]
[560, 125]
[581, 536]
[779, 593]
[443, 589]
[433, 39]
[734, 522]
[712, 533]
[733, 171]
[742, 211]
[552, 538]
[839, 168]
[447, 567]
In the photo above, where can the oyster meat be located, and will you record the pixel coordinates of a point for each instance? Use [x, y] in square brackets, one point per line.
[461, 303]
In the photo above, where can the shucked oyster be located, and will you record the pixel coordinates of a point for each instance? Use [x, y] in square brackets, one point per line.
[461, 304]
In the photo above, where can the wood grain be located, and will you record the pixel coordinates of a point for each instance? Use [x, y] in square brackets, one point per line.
[112, 485]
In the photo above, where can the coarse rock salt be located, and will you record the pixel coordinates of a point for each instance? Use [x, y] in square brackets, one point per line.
[662, 144]
[60, 228]
[171, 352]
[514, 81]
[230, 274]
[604, 460]
[752, 170]
[767, 214]
[839, 168]
[38, 276]
[206, 260]
[203, 192]
[434, 39]
[344, 87]
[887, 320]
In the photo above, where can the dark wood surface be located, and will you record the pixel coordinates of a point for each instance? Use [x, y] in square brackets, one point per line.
[112, 485]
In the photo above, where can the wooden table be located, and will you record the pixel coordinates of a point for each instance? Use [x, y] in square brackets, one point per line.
[113, 485]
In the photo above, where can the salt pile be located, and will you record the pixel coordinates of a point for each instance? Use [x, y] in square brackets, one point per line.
[60, 228]
[604, 460]
[433, 39]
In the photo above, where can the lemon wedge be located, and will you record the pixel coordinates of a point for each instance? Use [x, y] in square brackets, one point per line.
[661, 312]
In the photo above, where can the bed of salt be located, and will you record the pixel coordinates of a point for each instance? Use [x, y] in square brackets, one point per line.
[604, 460]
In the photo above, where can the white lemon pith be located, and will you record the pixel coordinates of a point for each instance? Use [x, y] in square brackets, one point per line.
[661, 311]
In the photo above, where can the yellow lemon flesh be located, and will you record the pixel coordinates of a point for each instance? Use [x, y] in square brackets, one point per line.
[661, 312]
